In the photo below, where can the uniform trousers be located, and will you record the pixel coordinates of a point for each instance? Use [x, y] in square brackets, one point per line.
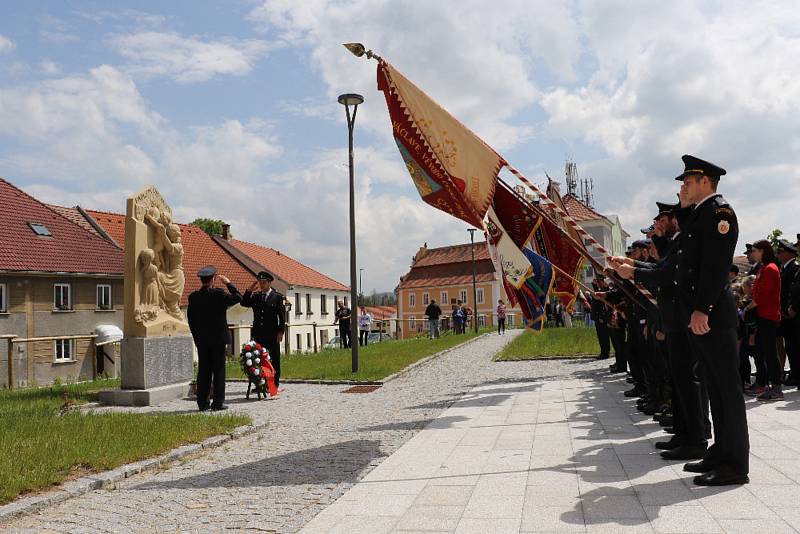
[602, 338]
[687, 398]
[719, 361]
[210, 367]
[790, 331]
[620, 350]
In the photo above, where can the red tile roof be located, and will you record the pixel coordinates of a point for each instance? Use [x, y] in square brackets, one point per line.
[580, 211]
[451, 254]
[286, 268]
[381, 312]
[447, 274]
[199, 250]
[70, 248]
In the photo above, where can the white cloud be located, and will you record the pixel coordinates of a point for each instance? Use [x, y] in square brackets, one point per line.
[477, 60]
[188, 59]
[49, 67]
[6, 44]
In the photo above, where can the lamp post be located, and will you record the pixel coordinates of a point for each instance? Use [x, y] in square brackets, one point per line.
[474, 286]
[347, 100]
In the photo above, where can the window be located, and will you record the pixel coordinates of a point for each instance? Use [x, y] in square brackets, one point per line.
[463, 296]
[323, 336]
[443, 298]
[308, 304]
[103, 296]
[323, 305]
[3, 298]
[345, 303]
[297, 310]
[479, 295]
[481, 320]
[426, 299]
[510, 319]
[61, 297]
[299, 343]
[412, 323]
[39, 229]
[412, 299]
[308, 340]
[62, 350]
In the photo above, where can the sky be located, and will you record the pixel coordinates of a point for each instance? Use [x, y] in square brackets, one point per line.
[229, 109]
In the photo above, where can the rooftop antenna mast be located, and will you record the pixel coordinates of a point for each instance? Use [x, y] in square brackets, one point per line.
[571, 172]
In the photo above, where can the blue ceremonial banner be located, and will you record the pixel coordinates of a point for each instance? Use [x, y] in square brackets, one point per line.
[537, 286]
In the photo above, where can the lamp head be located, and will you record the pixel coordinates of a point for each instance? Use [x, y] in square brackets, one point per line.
[350, 99]
[357, 49]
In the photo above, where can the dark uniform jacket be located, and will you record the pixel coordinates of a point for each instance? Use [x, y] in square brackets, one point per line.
[207, 315]
[788, 276]
[661, 276]
[705, 254]
[269, 314]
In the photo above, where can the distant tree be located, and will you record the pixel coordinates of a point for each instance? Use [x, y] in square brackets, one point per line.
[774, 236]
[209, 226]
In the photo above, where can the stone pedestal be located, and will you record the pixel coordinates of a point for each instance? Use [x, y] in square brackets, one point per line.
[153, 370]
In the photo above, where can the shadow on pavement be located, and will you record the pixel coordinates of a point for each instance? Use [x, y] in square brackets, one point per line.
[330, 464]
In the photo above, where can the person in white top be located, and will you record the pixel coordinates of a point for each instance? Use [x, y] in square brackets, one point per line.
[364, 326]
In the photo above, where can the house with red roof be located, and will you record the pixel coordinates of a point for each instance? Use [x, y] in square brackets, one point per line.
[444, 274]
[58, 280]
[311, 295]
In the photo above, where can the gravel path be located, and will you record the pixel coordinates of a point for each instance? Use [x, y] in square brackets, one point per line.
[318, 443]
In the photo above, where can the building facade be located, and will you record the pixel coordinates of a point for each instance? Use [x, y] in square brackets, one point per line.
[58, 283]
[445, 275]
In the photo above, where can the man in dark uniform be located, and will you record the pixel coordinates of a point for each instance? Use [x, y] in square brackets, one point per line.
[689, 441]
[705, 254]
[788, 330]
[598, 312]
[207, 317]
[269, 318]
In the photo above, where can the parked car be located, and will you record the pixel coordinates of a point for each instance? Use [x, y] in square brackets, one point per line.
[376, 337]
[333, 343]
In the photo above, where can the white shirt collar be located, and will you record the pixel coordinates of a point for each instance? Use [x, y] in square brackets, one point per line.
[709, 196]
[790, 260]
[675, 236]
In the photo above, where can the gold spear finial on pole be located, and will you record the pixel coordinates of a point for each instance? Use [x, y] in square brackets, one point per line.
[358, 50]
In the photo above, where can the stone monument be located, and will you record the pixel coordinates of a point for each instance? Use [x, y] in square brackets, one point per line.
[156, 362]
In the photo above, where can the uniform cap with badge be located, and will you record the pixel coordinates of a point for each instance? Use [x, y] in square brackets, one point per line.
[788, 246]
[696, 166]
[264, 275]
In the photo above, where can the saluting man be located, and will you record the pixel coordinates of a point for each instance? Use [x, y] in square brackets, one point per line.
[704, 256]
[207, 317]
[269, 318]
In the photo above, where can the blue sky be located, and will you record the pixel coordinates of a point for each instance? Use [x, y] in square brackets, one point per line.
[229, 108]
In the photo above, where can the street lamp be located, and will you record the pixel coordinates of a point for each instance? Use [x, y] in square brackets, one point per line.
[347, 100]
[474, 286]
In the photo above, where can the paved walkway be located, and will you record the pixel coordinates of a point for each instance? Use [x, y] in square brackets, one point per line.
[567, 455]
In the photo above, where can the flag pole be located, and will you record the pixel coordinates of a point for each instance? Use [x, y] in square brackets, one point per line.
[574, 225]
[575, 243]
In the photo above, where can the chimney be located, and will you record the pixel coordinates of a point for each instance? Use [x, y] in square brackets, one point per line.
[226, 232]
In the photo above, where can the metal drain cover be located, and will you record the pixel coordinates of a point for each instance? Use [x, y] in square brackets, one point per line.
[361, 389]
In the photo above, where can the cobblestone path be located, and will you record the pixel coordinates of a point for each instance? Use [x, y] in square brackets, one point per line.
[318, 443]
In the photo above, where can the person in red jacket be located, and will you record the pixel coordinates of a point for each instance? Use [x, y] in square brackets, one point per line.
[767, 301]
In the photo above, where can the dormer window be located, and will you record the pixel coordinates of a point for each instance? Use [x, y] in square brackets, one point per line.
[39, 229]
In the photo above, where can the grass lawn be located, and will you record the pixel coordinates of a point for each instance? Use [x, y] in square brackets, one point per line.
[376, 361]
[575, 342]
[43, 445]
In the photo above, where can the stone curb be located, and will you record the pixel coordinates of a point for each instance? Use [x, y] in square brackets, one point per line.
[107, 479]
[428, 359]
[578, 357]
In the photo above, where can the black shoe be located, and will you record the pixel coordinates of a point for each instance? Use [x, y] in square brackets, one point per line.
[601, 357]
[629, 380]
[666, 421]
[669, 430]
[698, 467]
[616, 370]
[636, 391]
[219, 408]
[685, 452]
[203, 408]
[673, 443]
[721, 477]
